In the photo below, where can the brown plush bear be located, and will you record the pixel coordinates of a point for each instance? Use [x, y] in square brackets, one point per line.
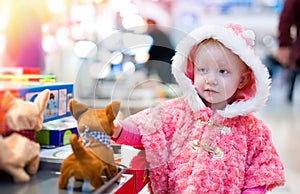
[92, 154]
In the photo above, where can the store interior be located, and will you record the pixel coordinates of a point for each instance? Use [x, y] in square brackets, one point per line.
[102, 48]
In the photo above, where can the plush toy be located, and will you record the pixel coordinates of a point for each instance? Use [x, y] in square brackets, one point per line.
[16, 150]
[92, 154]
[20, 114]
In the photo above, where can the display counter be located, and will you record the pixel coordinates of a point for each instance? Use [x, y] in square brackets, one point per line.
[131, 178]
[45, 182]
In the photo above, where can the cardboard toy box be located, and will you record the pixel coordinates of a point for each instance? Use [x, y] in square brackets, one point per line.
[60, 94]
[56, 133]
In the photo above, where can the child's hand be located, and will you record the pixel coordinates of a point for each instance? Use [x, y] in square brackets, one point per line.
[117, 129]
[117, 125]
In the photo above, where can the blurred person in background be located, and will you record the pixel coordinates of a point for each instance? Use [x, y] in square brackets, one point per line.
[288, 52]
[160, 54]
[24, 34]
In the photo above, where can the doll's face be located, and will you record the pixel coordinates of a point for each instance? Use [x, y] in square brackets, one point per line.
[218, 74]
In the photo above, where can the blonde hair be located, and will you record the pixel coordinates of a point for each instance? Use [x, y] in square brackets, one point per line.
[222, 47]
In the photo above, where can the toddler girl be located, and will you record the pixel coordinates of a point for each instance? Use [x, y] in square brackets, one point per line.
[209, 141]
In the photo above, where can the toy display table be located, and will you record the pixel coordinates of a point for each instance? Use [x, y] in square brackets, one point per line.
[128, 180]
[45, 181]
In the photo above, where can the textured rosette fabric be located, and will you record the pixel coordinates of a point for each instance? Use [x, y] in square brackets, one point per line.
[249, 158]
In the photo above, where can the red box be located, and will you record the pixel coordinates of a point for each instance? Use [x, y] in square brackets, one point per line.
[141, 178]
[135, 160]
[126, 187]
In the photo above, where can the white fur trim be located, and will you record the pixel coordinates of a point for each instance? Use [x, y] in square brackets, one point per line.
[238, 45]
[250, 36]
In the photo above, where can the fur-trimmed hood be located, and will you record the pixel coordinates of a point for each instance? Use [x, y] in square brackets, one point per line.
[240, 42]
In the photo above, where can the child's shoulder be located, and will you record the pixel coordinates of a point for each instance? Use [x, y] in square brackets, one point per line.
[178, 103]
[254, 125]
[175, 106]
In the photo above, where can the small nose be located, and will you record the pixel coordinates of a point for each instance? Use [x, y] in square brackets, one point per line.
[211, 79]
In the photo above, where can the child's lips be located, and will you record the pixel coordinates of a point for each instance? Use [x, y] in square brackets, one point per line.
[210, 91]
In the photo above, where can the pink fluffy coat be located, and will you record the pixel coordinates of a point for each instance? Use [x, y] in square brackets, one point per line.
[249, 157]
[191, 149]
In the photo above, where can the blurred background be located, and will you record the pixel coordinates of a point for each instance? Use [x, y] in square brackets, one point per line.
[105, 44]
[57, 35]
[112, 49]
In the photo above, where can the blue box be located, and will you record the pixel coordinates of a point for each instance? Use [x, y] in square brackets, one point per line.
[58, 103]
[57, 133]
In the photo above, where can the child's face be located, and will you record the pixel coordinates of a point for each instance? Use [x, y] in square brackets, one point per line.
[218, 73]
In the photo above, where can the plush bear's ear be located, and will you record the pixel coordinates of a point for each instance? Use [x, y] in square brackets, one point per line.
[42, 100]
[7, 100]
[77, 108]
[112, 109]
[115, 107]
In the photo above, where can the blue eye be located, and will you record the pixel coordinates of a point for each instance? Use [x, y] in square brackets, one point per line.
[223, 71]
[203, 70]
